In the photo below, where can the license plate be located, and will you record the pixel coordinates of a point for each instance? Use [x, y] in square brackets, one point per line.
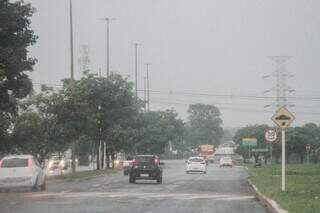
[144, 175]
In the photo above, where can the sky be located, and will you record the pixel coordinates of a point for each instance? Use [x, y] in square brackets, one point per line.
[200, 51]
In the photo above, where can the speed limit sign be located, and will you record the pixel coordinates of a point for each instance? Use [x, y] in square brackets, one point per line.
[271, 135]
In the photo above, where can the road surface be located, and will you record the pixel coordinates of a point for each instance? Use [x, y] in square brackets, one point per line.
[220, 190]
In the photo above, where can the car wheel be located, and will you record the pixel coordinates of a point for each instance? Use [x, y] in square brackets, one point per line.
[205, 172]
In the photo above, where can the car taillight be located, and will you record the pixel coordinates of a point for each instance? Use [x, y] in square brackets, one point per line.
[29, 162]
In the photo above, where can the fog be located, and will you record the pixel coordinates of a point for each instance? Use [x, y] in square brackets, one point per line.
[207, 51]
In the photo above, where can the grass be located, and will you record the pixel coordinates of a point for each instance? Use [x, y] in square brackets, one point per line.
[83, 175]
[302, 186]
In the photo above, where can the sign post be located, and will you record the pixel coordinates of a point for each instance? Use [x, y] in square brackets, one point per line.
[308, 147]
[283, 118]
[271, 136]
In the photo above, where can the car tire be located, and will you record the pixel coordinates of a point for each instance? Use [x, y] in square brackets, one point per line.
[205, 172]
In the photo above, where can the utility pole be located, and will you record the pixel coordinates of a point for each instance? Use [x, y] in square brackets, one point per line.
[73, 158]
[136, 66]
[148, 88]
[145, 93]
[108, 20]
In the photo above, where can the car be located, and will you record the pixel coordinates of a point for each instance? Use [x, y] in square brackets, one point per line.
[196, 164]
[226, 161]
[21, 171]
[57, 165]
[146, 167]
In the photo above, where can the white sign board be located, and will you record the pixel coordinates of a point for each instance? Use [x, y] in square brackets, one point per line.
[271, 135]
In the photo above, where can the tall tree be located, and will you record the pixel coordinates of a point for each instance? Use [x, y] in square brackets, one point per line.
[204, 125]
[15, 37]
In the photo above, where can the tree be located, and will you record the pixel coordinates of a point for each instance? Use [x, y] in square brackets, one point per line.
[204, 125]
[36, 130]
[15, 37]
[254, 131]
[157, 130]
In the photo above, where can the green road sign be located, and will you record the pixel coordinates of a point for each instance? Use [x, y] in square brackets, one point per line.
[249, 142]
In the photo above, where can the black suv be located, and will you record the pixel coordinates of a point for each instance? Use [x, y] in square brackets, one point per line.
[146, 167]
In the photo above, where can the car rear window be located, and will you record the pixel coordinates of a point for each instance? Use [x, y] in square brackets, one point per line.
[196, 160]
[145, 159]
[14, 162]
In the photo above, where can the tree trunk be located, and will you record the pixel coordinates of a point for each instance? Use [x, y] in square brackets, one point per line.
[112, 159]
[98, 157]
[102, 156]
[108, 160]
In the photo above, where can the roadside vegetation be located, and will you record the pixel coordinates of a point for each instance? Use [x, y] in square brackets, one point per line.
[82, 175]
[302, 186]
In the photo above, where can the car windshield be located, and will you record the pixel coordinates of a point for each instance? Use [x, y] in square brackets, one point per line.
[196, 160]
[14, 162]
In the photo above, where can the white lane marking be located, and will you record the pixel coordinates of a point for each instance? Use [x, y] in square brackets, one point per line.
[180, 196]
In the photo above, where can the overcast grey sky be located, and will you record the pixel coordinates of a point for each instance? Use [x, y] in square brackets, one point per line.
[212, 47]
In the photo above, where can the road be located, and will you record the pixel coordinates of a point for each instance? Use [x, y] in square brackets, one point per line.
[220, 190]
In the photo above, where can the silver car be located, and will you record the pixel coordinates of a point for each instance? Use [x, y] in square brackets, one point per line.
[21, 171]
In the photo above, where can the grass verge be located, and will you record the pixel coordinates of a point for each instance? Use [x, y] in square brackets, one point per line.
[83, 175]
[302, 186]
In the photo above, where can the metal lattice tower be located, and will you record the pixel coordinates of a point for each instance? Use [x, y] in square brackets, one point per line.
[84, 59]
[281, 88]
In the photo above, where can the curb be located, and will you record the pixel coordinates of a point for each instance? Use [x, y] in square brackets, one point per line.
[273, 205]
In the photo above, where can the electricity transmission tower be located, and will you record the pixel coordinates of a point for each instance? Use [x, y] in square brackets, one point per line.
[84, 59]
[281, 88]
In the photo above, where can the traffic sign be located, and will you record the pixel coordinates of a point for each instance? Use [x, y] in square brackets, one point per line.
[271, 135]
[249, 142]
[283, 118]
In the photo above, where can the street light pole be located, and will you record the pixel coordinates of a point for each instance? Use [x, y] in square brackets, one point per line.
[148, 88]
[73, 160]
[108, 44]
[136, 66]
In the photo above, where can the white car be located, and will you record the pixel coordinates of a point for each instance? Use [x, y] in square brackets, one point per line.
[21, 171]
[196, 164]
[226, 161]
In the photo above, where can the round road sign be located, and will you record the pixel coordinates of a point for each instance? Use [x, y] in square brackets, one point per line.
[271, 135]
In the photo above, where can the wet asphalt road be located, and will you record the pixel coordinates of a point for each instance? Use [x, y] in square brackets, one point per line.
[220, 190]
